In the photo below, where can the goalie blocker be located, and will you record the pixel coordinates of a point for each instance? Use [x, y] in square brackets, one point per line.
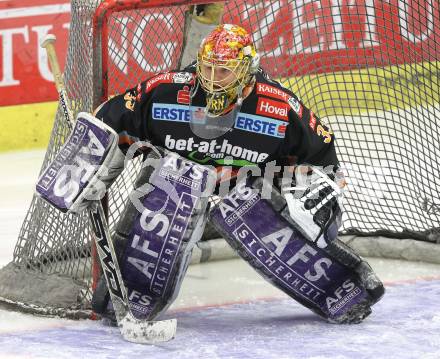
[333, 281]
[83, 169]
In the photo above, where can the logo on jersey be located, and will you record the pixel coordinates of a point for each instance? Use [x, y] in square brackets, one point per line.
[130, 98]
[312, 121]
[246, 122]
[295, 105]
[173, 112]
[183, 96]
[182, 77]
[258, 124]
[165, 78]
[139, 92]
[216, 151]
[272, 108]
[271, 91]
[282, 130]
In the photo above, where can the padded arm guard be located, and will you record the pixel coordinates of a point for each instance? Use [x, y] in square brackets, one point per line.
[260, 233]
[84, 168]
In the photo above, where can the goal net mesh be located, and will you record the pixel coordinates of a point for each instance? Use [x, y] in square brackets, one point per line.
[369, 69]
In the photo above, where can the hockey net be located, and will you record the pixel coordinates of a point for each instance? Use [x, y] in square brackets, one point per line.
[369, 69]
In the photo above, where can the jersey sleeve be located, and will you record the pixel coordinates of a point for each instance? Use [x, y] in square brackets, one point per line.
[308, 140]
[125, 113]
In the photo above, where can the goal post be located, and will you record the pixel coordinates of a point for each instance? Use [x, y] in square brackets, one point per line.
[368, 68]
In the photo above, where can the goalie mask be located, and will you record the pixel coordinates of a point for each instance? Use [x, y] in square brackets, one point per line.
[226, 63]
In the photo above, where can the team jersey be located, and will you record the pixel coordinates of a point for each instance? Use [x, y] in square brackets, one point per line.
[271, 125]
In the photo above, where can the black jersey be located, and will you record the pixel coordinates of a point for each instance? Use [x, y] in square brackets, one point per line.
[272, 124]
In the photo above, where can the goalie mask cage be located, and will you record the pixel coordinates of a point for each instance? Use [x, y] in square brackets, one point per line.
[369, 69]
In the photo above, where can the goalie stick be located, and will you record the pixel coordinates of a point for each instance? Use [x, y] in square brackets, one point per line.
[132, 329]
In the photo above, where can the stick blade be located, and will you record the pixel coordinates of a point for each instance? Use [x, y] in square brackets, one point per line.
[136, 331]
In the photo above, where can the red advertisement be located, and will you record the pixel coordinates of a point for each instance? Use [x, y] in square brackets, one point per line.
[272, 108]
[296, 38]
[312, 36]
[25, 76]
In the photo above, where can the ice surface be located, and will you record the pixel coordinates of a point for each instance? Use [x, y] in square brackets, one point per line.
[405, 325]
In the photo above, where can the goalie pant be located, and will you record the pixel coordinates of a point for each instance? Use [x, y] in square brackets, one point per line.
[163, 220]
[333, 282]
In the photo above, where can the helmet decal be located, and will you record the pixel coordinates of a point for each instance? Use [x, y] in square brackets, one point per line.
[226, 62]
[227, 42]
